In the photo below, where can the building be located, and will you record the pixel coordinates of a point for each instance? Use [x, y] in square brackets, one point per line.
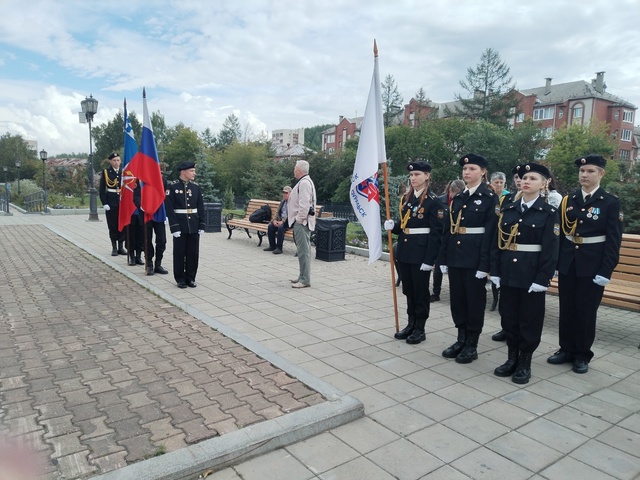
[286, 136]
[334, 138]
[295, 152]
[555, 106]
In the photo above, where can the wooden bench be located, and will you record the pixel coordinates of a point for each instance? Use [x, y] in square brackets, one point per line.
[624, 289]
[232, 222]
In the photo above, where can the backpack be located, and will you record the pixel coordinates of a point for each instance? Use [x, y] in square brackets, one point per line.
[261, 215]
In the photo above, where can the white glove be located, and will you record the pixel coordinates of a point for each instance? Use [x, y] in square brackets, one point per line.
[535, 288]
[426, 268]
[444, 269]
[600, 280]
[200, 232]
[176, 234]
[389, 224]
[480, 275]
[106, 208]
[496, 281]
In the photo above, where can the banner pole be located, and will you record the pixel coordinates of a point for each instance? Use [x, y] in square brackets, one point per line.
[390, 242]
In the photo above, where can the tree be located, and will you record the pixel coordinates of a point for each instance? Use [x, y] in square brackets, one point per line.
[313, 136]
[185, 146]
[208, 138]
[206, 178]
[391, 100]
[230, 132]
[492, 95]
[159, 129]
[109, 137]
[423, 102]
[12, 148]
[572, 142]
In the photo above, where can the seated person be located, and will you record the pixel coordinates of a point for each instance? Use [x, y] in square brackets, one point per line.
[279, 224]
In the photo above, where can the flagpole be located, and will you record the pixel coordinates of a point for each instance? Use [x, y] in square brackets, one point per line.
[388, 217]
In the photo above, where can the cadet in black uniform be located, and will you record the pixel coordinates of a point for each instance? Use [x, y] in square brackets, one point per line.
[185, 211]
[468, 245]
[110, 184]
[528, 239]
[591, 223]
[419, 234]
[135, 230]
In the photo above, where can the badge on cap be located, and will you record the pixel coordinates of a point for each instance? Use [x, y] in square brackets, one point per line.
[583, 161]
[466, 160]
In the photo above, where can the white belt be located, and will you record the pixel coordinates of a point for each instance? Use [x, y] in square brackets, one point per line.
[186, 210]
[416, 231]
[470, 230]
[581, 240]
[517, 247]
[113, 190]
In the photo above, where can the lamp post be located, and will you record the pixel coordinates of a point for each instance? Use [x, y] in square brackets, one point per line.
[43, 157]
[18, 165]
[6, 188]
[89, 108]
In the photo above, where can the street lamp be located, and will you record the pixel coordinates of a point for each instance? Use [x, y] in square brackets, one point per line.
[43, 157]
[6, 188]
[89, 108]
[18, 165]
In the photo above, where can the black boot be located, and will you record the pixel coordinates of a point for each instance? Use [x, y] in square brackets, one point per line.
[139, 259]
[159, 268]
[523, 370]
[114, 249]
[406, 331]
[508, 367]
[454, 350]
[469, 353]
[131, 259]
[418, 334]
[148, 268]
[121, 249]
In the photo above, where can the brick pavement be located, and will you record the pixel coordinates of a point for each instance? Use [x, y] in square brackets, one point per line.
[96, 372]
[426, 417]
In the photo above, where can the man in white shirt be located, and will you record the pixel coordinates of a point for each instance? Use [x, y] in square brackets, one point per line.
[301, 210]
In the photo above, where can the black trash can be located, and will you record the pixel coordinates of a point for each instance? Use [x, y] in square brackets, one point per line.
[331, 237]
[212, 217]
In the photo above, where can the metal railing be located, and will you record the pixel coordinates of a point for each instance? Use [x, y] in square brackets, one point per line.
[5, 199]
[34, 202]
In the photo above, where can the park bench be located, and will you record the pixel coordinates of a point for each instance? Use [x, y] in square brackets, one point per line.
[624, 289]
[232, 222]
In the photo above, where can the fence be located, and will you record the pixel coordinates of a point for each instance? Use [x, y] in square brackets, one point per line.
[340, 211]
[5, 199]
[34, 202]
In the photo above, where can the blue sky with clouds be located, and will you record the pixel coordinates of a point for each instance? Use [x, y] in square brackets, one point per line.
[285, 64]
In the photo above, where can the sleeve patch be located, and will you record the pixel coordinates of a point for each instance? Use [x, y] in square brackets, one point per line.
[556, 229]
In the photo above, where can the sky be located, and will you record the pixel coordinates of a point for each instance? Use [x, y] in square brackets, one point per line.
[285, 63]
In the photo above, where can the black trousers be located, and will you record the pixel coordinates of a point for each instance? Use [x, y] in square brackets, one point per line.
[115, 235]
[415, 286]
[522, 316]
[468, 299]
[135, 236]
[276, 235]
[158, 229]
[579, 302]
[186, 251]
[437, 280]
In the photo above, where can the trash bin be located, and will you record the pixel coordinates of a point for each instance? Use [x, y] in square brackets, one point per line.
[331, 237]
[212, 217]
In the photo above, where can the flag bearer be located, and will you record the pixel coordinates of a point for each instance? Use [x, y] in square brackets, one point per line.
[419, 234]
[468, 245]
[528, 239]
[591, 223]
[110, 184]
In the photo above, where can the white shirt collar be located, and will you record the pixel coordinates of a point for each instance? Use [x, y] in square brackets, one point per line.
[417, 193]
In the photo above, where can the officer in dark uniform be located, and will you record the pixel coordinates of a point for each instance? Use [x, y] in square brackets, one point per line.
[185, 211]
[110, 184]
[151, 228]
[419, 234]
[468, 246]
[135, 231]
[590, 241]
[528, 239]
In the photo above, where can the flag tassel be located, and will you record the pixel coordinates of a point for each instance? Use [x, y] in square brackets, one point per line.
[392, 262]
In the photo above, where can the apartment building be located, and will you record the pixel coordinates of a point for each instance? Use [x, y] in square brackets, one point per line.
[334, 138]
[286, 136]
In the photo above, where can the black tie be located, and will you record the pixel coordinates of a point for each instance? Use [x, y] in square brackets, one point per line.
[587, 197]
[524, 207]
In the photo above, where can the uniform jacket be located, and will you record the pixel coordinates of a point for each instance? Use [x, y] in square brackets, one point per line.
[600, 215]
[111, 198]
[539, 225]
[474, 251]
[184, 196]
[420, 248]
[301, 199]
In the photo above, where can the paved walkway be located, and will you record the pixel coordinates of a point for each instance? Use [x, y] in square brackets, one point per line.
[425, 417]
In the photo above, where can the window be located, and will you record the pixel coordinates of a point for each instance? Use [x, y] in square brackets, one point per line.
[626, 136]
[624, 154]
[561, 113]
[577, 112]
[627, 116]
[543, 113]
[616, 115]
[520, 118]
